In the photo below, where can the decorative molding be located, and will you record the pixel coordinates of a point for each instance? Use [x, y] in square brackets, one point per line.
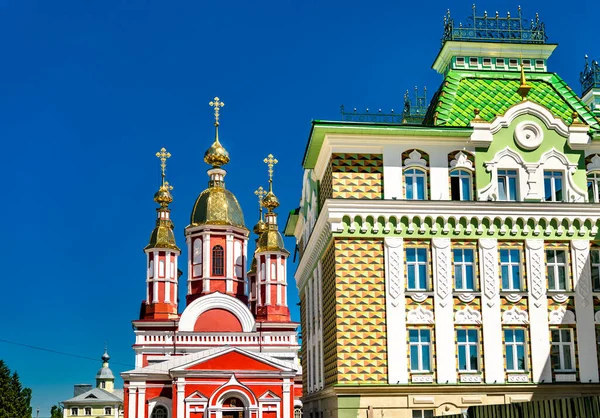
[466, 297]
[414, 159]
[559, 297]
[582, 272]
[537, 285]
[467, 316]
[513, 297]
[529, 135]
[395, 277]
[422, 378]
[518, 378]
[423, 400]
[561, 316]
[443, 286]
[594, 164]
[461, 160]
[216, 301]
[418, 297]
[471, 378]
[419, 315]
[571, 377]
[515, 316]
[597, 317]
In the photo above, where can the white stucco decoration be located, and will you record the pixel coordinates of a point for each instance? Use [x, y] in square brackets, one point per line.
[461, 160]
[529, 135]
[513, 297]
[466, 297]
[561, 316]
[515, 316]
[594, 164]
[414, 159]
[559, 297]
[216, 301]
[597, 317]
[467, 316]
[419, 316]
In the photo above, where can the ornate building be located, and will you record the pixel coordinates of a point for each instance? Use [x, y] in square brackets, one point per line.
[455, 262]
[233, 351]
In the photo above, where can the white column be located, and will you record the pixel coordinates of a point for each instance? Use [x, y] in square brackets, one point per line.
[229, 262]
[286, 398]
[141, 401]
[444, 311]
[267, 279]
[116, 411]
[168, 277]
[395, 305]
[244, 258]
[321, 372]
[279, 276]
[538, 311]
[392, 172]
[156, 276]
[584, 307]
[175, 279]
[490, 310]
[148, 277]
[65, 412]
[132, 402]
[180, 397]
[206, 255]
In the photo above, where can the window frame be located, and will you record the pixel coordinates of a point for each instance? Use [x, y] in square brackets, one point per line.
[416, 264]
[217, 261]
[85, 411]
[500, 62]
[555, 269]
[463, 268]
[420, 344]
[553, 176]
[74, 412]
[561, 345]
[107, 410]
[418, 172]
[509, 265]
[514, 344]
[467, 344]
[593, 178]
[422, 412]
[461, 173]
[506, 174]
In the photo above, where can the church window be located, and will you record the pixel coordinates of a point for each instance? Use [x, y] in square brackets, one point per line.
[218, 261]
[74, 412]
[553, 186]
[108, 410]
[460, 185]
[507, 185]
[161, 268]
[239, 260]
[103, 385]
[159, 411]
[593, 185]
[414, 182]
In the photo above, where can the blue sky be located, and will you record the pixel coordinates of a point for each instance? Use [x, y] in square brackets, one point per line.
[92, 89]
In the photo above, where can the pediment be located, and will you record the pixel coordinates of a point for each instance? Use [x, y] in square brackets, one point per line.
[234, 360]
[91, 396]
[269, 396]
[197, 396]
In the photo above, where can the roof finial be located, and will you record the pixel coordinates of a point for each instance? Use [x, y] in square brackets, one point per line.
[163, 155]
[217, 104]
[260, 226]
[524, 88]
[270, 162]
[163, 195]
[270, 200]
[216, 155]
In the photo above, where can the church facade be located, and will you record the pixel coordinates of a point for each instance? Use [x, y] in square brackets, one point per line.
[454, 260]
[233, 351]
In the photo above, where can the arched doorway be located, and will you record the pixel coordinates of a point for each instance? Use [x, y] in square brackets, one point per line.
[233, 407]
[159, 411]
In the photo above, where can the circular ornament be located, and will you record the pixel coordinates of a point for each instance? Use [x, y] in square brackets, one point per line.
[529, 135]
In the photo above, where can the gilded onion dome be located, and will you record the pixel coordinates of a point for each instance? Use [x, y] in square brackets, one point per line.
[216, 155]
[271, 240]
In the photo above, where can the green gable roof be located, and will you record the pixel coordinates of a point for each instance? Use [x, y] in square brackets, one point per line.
[493, 93]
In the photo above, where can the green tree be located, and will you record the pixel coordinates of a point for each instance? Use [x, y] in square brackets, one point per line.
[56, 412]
[15, 400]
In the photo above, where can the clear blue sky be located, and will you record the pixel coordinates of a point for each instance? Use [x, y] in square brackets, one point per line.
[92, 89]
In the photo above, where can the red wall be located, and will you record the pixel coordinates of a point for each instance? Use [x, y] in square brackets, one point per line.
[217, 320]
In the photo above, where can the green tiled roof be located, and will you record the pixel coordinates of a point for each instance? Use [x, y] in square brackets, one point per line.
[493, 93]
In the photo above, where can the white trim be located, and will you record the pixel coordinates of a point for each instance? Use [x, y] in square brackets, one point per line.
[216, 301]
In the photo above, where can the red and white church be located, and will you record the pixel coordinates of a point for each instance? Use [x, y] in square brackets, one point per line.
[233, 351]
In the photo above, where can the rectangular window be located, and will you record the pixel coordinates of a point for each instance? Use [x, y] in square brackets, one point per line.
[487, 62]
[593, 186]
[74, 411]
[507, 185]
[88, 411]
[510, 268]
[416, 268]
[468, 349]
[108, 410]
[514, 344]
[414, 182]
[422, 413]
[513, 62]
[473, 61]
[420, 350]
[464, 269]
[595, 264]
[563, 350]
[500, 62]
[539, 64]
[556, 260]
[526, 63]
[460, 185]
[460, 61]
[553, 184]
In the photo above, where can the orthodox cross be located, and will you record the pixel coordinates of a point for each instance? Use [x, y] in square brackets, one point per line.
[217, 104]
[270, 162]
[163, 155]
[260, 193]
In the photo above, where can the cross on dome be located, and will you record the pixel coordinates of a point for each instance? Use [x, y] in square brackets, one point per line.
[216, 103]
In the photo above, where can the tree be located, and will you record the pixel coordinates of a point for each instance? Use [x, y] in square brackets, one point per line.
[15, 400]
[56, 412]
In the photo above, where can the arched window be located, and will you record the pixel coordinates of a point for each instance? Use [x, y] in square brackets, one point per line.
[460, 184]
[415, 181]
[218, 261]
[159, 411]
[297, 412]
[593, 186]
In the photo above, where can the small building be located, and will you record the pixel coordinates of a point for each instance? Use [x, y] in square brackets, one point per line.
[100, 401]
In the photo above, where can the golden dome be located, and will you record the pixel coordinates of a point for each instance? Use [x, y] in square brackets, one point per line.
[162, 236]
[163, 195]
[217, 206]
[260, 227]
[270, 201]
[271, 240]
[216, 155]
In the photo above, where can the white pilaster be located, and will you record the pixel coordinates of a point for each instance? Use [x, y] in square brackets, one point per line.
[395, 306]
[168, 277]
[141, 402]
[320, 370]
[132, 401]
[180, 397]
[584, 311]
[206, 254]
[444, 311]
[175, 280]
[267, 279]
[148, 273]
[490, 310]
[538, 311]
[286, 398]
[116, 410]
[244, 258]
[229, 267]
[392, 172]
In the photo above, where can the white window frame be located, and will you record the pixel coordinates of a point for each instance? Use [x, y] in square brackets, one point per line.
[107, 410]
[418, 172]
[74, 412]
[594, 179]
[553, 176]
[556, 266]
[461, 173]
[416, 265]
[508, 173]
[420, 413]
[85, 411]
[462, 265]
[420, 344]
[460, 61]
[561, 351]
[513, 345]
[510, 264]
[467, 344]
[500, 62]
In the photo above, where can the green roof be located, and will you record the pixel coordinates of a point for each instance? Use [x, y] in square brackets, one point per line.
[493, 93]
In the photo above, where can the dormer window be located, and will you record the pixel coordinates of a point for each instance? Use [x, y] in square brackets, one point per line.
[499, 62]
[474, 61]
[513, 62]
[460, 61]
[487, 62]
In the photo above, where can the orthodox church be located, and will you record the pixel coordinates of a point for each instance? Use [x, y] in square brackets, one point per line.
[233, 351]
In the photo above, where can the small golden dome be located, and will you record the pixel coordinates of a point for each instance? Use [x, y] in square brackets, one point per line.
[216, 155]
[260, 227]
[271, 240]
[163, 195]
[162, 236]
[217, 206]
[270, 201]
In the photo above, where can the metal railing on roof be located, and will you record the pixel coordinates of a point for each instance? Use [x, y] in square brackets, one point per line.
[412, 113]
[590, 76]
